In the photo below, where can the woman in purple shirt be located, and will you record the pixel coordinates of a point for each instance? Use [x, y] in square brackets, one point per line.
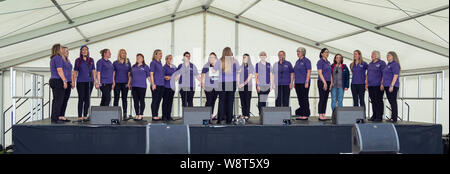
[139, 72]
[283, 75]
[84, 77]
[105, 71]
[67, 68]
[375, 87]
[58, 83]
[302, 75]
[264, 83]
[323, 82]
[186, 74]
[157, 81]
[228, 71]
[121, 80]
[359, 79]
[391, 83]
[209, 82]
[169, 90]
[245, 84]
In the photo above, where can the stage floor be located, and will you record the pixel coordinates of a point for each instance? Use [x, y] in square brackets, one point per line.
[301, 137]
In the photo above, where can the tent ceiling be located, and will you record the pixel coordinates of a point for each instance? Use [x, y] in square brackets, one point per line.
[21, 16]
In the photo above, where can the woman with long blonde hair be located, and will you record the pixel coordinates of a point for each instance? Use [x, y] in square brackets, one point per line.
[122, 80]
[228, 73]
[157, 80]
[391, 82]
[359, 79]
[58, 83]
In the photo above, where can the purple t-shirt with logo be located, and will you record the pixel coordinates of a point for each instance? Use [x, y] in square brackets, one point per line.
[67, 69]
[139, 76]
[282, 72]
[392, 68]
[55, 62]
[375, 73]
[84, 69]
[106, 70]
[122, 70]
[359, 73]
[325, 66]
[301, 68]
[156, 68]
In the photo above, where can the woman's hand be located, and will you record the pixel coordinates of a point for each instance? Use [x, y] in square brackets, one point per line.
[153, 87]
[345, 89]
[113, 85]
[129, 86]
[167, 77]
[241, 85]
[391, 89]
[97, 85]
[258, 89]
[73, 85]
[381, 88]
[65, 85]
[325, 86]
[306, 85]
[366, 87]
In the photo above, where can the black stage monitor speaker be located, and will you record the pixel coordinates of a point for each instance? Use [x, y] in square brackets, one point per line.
[167, 139]
[109, 115]
[375, 139]
[196, 115]
[347, 115]
[275, 115]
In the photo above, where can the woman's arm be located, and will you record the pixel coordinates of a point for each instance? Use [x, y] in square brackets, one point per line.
[61, 75]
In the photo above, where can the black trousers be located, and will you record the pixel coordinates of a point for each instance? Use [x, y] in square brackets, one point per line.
[157, 96]
[211, 97]
[303, 100]
[376, 97]
[84, 90]
[66, 98]
[58, 91]
[282, 93]
[358, 93]
[226, 102]
[323, 96]
[106, 94]
[121, 88]
[246, 96]
[167, 103]
[139, 99]
[263, 95]
[187, 97]
[392, 98]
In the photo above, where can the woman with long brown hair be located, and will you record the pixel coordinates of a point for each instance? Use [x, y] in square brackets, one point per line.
[359, 79]
[228, 72]
[58, 83]
[323, 82]
[245, 85]
[157, 80]
[139, 73]
[105, 71]
[391, 82]
[84, 78]
[341, 78]
[209, 82]
[67, 68]
[121, 80]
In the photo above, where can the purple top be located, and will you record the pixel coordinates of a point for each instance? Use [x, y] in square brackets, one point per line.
[228, 76]
[188, 73]
[139, 76]
[301, 70]
[244, 72]
[325, 66]
[55, 62]
[84, 69]
[392, 68]
[168, 71]
[375, 73]
[359, 73]
[282, 72]
[122, 70]
[210, 82]
[158, 72]
[263, 73]
[67, 69]
[106, 69]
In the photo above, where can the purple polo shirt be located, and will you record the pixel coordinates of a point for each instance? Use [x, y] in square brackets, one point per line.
[139, 76]
[84, 69]
[282, 72]
[245, 71]
[359, 73]
[189, 72]
[106, 69]
[168, 71]
[156, 68]
[67, 69]
[325, 66]
[210, 82]
[375, 73]
[391, 69]
[263, 73]
[122, 70]
[301, 70]
[55, 62]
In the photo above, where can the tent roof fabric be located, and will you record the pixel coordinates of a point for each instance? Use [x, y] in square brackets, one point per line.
[20, 17]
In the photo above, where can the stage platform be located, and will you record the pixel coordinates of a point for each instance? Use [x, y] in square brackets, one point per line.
[301, 137]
